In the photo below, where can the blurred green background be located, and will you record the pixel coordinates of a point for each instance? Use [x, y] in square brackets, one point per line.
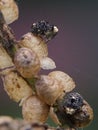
[74, 49]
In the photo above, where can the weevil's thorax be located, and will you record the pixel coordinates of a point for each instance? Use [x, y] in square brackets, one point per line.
[72, 102]
[44, 30]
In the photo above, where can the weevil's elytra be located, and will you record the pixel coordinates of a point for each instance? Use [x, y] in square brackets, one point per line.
[44, 30]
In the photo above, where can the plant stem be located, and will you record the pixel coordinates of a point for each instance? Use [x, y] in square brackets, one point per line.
[7, 38]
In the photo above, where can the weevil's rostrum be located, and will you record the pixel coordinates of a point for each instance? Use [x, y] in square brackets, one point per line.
[36, 92]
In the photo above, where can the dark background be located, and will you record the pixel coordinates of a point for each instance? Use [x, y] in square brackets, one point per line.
[74, 49]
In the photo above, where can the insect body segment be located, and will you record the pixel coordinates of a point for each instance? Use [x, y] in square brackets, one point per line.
[44, 30]
[73, 101]
[73, 111]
